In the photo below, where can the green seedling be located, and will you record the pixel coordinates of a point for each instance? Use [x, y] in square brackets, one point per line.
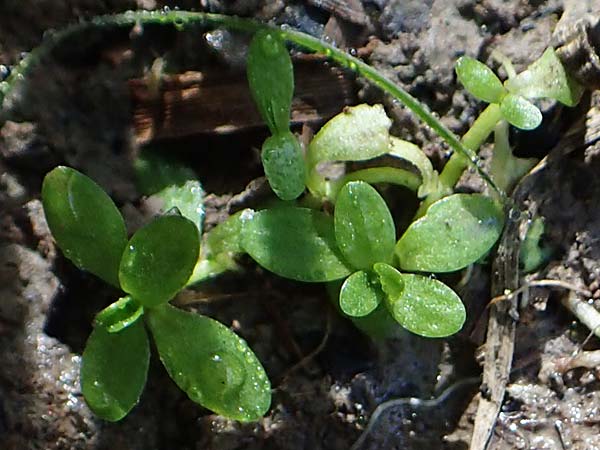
[271, 80]
[376, 278]
[358, 244]
[510, 101]
[211, 364]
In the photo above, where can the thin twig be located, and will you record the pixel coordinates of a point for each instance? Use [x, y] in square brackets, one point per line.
[585, 313]
[412, 401]
[509, 295]
[192, 297]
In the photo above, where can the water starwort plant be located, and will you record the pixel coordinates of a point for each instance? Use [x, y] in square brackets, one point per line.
[377, 272]
[205, 359]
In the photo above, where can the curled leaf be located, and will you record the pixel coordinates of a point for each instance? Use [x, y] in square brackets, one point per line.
[214, 366]
[479, 80]
[520, 112]
[427, 307]
[546, 78]
[120, 314]
[357, 134]
[296, 243]
[114, 368]
[456, 231]
[159, 259]
[284, 165]
[364, 228]
[360, 294]
[85, 223]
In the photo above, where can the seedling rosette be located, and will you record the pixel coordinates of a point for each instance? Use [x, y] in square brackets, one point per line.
[215, 367]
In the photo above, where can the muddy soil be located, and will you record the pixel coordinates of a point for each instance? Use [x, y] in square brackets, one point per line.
[77, 110]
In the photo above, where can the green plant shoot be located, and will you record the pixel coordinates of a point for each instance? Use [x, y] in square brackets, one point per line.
[209, 362]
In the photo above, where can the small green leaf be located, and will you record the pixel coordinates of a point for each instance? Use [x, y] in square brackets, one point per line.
[546, 78]
[120, 314]
[456, 231]
[155, 171]
[357, 134]
[215, 367]
[427, 307]
[284, 165]
[360, 294]
[479, 80]
[219, 249]
[227, 236]
[417, 157]
[520, 112]
[85, 223]
[271, 79]
[296, 243]
[114, 367]
[533, 253]
[364, 228]
[159, 259]
[187, 198]
[390, 279]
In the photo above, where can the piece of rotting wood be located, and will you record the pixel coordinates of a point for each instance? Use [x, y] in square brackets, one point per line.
[350, 10]
[577, 41]
[218, 101]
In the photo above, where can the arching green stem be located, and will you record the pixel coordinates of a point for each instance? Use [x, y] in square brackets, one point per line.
[184, 19]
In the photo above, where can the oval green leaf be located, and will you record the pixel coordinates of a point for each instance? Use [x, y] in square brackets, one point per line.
[364, 228]
[159, 259]
[456, 231]
[520, 112]
[114, 368]
[120, 314]
[284, 165]
[546, 78]
[360, 294]
[214, 366]
[271, 79]
[296, 243]
[390, 279]
[357, 134]
[85, 223]
[188, 198]
[427, 307]
[479, 80]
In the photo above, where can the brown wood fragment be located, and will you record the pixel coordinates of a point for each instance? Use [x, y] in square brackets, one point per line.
[218, 101]
[349, 10]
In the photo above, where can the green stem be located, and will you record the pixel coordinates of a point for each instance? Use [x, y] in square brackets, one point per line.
[183, 19]
[456, 165]
[473, 139]
[390, 175]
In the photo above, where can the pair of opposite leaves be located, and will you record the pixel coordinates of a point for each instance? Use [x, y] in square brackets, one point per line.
[359, 243]
[210, 363]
